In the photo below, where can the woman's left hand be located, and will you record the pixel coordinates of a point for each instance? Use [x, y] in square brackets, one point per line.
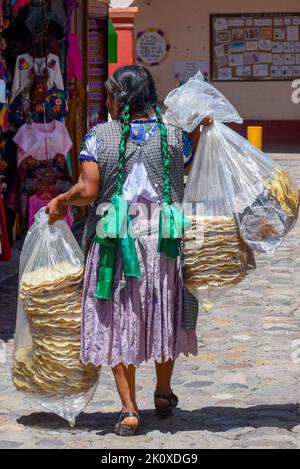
[207, 121]
[56, 210]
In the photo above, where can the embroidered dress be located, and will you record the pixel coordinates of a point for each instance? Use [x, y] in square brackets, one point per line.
[144, 319]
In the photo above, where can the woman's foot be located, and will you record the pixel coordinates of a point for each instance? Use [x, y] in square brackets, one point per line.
[128, 423]
[165, 403]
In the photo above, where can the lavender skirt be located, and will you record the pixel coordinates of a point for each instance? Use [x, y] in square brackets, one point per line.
[144, 319]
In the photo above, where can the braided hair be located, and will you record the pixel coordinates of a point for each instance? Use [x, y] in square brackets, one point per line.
[133, 89]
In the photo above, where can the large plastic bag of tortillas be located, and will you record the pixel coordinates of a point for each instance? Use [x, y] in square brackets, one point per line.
[46, 365]
[239, 199]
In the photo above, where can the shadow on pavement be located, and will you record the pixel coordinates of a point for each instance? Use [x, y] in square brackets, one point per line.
[212, 419]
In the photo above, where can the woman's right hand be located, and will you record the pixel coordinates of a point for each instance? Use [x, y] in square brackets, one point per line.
[56, 210]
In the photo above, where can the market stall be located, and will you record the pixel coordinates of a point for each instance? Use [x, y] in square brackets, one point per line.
[49, 51]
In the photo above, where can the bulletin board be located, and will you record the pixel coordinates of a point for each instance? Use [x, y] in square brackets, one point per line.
[255, 46]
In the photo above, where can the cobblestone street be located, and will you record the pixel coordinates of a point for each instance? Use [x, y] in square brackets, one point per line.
[241, 391]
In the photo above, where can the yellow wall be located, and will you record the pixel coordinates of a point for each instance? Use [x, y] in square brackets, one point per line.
[186, 24]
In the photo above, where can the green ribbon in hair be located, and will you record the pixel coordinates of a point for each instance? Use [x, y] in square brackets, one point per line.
[113, 231]
[172, 223]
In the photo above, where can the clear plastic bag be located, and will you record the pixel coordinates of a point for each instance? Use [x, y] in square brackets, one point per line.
[189, 104]
[46, 364]
[237, 197]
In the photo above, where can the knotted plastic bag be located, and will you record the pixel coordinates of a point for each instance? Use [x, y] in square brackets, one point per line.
[237, 197]
[46, 365]
[189, 104]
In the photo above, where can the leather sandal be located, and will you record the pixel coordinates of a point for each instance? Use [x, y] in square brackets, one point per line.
[126, 430]
[166, 410]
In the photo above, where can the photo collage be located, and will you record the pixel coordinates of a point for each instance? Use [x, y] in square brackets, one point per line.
[255, 47]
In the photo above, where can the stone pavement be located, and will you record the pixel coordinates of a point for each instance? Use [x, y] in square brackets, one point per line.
[241, 391]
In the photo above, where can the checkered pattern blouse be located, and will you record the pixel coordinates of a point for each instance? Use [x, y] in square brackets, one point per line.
[137, 183]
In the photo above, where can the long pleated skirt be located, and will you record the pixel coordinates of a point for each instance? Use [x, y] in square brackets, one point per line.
[144, 319]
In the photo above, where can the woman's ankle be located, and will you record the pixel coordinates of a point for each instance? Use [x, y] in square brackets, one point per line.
[163, 389]
[130, 407]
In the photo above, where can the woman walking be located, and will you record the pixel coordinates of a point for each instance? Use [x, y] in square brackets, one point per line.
[133, 317]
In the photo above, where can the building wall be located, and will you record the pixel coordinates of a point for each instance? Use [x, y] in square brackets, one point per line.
[186, 24]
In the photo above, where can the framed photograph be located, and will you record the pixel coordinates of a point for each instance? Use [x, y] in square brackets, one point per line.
[251, 58]
[296, 71]
[244, 71]
[287, 71]
[288, 47]
[260, 70]
[279, 33]
[277, 47]
[225, 73]
[236, 59]
[223, 36]
[289, 59]
[276, 71]
[238, 46]
[265, 58]
[278, 59]
[221, 50]
[252, 33]
[222, 61]
[265, 44]
[251, 45]
[238, 35]
[266, 33]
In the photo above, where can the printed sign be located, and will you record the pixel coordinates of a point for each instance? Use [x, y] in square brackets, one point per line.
[152, 47]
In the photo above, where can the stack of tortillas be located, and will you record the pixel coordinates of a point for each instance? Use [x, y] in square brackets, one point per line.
[52, 303]
[214, 254]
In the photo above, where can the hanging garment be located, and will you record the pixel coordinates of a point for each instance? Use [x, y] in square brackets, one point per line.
[24, 41]
[1, 14]
[5, 253]
[34, 176]
[9, 156]
[19, 4]
[53, 108]
[3, 96]
[58, 11]
[4, 118]
[36, 203]
[74, 60]
[42, 141]
[70, 5]
[27, 67]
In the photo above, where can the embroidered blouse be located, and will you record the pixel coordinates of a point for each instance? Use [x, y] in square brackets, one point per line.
[42, 141]
[137, 183]
[25, 64]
